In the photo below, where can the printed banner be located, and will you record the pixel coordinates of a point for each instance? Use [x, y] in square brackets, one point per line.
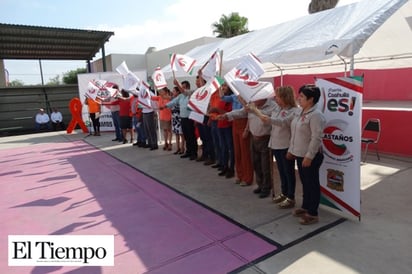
[100, 90]
[340, 172]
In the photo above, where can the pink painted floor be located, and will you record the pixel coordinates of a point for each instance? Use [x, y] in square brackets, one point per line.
[73, 188]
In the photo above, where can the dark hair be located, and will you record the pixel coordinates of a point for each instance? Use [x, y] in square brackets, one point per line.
[310, 91]
[186, 83]
[125, 93]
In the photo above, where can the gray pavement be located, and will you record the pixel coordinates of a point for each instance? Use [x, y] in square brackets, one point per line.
[379, 243]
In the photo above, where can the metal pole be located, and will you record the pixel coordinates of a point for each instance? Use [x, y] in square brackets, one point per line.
[41, 73]
[352, 65]
[104, 59]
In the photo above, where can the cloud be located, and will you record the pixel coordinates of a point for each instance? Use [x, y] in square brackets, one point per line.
[186, 20]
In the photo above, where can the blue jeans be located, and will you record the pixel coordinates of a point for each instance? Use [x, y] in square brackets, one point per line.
[286, 170]
[138, 125]
[216, 140]
[205, 133]
[116, 124]
[227, 156]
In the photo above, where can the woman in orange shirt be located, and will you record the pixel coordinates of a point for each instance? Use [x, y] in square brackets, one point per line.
[94, 113]
[165, 116]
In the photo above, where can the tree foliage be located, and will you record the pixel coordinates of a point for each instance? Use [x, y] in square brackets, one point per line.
[54, 81]
[16, 83]
[230, 25]
[320, 5]
[70, 77]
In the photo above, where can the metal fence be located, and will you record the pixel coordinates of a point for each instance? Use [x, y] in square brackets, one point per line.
[19, 106]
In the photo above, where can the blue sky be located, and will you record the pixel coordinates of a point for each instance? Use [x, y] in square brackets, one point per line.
[137, 25]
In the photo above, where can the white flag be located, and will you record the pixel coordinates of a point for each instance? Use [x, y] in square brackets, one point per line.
[182, 62]
[130, 80]
[123, 69]
[159, 79]
[199, 100]
[212, 67]
[145, 95]
[249, 69]
[254, 90]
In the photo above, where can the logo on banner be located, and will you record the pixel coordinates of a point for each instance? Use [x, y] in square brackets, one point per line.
[340, 101]
[61, 250]
[242, 74]
[335, 179]
[335, 141]
[202, 95]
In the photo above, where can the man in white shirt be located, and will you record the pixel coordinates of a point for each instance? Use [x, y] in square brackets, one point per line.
[42, 120]
[57, 119]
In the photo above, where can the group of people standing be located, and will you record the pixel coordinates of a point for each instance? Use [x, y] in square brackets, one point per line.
[238, 138]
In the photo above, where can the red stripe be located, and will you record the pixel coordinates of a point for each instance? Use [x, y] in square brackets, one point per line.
[191, 66]
[172, 61]
[339, 201]
[194, 107]
[345, 84]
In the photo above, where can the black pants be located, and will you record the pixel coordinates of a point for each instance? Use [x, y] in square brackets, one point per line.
[95, 122]
[188, 128]
[310, 183]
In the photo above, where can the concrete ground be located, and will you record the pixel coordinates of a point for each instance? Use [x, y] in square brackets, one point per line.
[379, 243]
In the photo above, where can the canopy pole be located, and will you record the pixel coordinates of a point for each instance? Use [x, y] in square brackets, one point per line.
[281, 74]
[352, 65]
[346, 65]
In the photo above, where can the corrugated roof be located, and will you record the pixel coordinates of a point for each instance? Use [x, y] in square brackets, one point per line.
[33, 42]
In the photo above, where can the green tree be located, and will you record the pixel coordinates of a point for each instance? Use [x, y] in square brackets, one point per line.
[320, 5]
[54, 81]
[16, 83]
[230, 25]
[70, 77]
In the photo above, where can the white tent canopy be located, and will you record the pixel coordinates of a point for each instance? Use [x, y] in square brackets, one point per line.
[323, 38]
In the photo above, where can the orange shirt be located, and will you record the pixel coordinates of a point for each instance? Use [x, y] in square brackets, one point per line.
[93, 105]
[165, 114]
[214, 103]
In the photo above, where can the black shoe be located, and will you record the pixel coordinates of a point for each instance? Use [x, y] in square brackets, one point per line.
[229, 173]
[193, 157]
[136, 144]
[115, 140]
[201, 159]
[185, 155]
[257, 191]
[216, 166]
[209, 162]
[154, 147]
[264, 194]
[223, 172]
